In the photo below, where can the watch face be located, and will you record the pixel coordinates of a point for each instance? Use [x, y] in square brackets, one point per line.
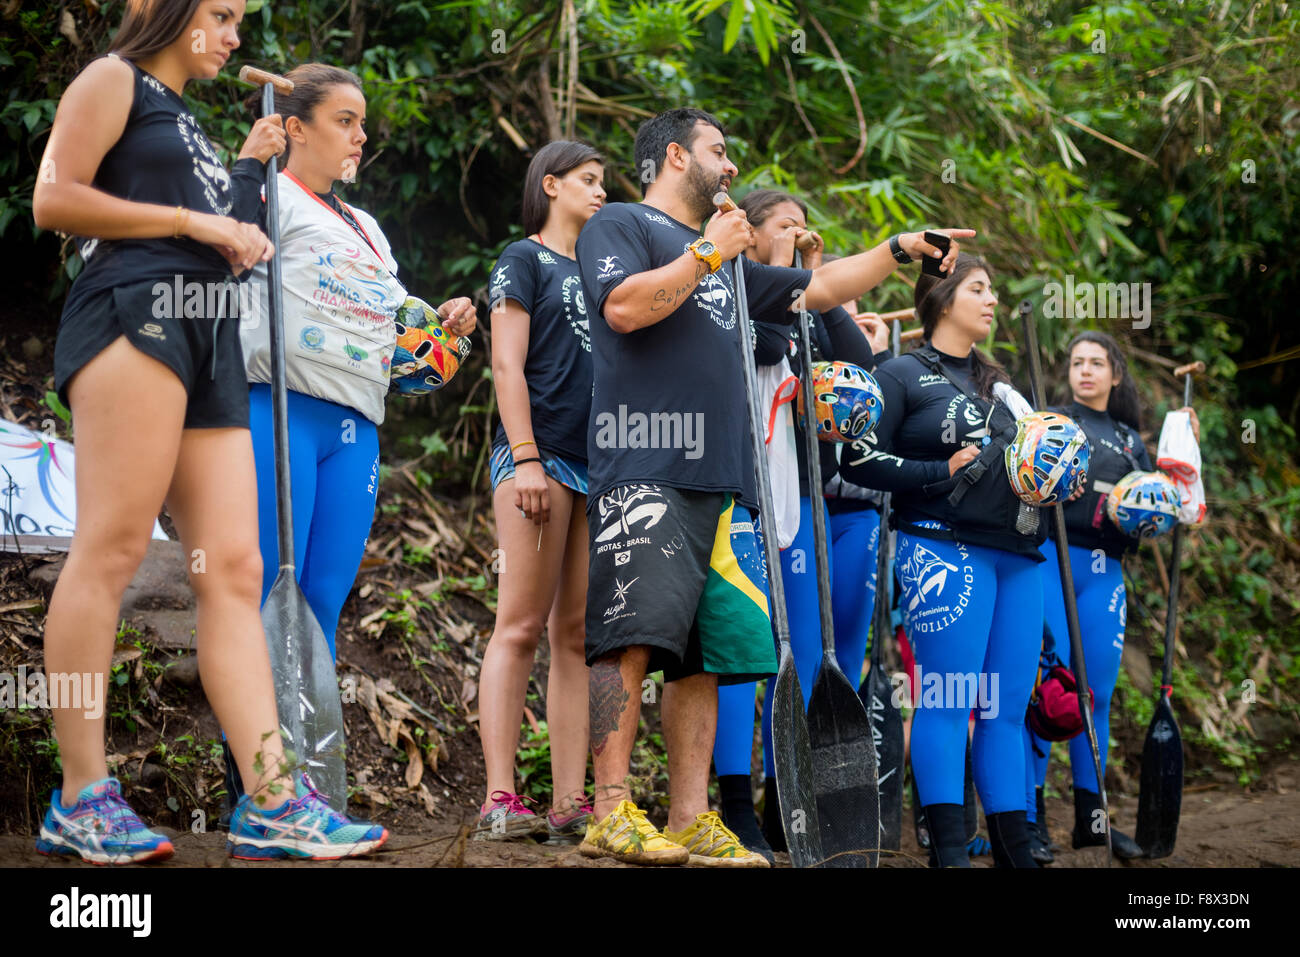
[706, 248]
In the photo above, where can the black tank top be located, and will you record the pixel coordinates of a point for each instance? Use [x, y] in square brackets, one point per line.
[161, 157]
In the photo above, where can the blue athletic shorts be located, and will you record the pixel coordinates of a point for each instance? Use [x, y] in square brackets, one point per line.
[572, 475]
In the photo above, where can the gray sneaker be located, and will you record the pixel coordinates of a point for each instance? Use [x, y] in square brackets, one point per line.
[506, 819]
[570, 828]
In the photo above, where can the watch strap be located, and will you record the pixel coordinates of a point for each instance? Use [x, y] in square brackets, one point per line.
[899, 253]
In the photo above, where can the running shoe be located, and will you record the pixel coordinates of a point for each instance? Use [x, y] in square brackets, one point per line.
[568, 828]
[506, 819]
[712, 844]
[100, 828]
[304, 827]
[626, 835]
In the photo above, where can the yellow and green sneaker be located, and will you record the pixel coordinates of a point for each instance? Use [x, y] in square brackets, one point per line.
[712, 844]
[626, 835]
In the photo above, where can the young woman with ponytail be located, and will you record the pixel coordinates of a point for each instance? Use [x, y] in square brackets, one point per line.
[160, 408]
[971, 592]
[1104, 403]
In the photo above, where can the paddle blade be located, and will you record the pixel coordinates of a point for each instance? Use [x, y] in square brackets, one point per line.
[844, 771]
[877, 697]
[794, 773]
[306, 689]
[1161, 796]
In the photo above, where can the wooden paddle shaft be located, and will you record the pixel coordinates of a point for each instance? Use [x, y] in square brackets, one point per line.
[898, 315]
[255, 77]
[1192, 368]
[726, 204]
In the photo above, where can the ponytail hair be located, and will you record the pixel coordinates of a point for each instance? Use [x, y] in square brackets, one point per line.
[312, 82]
[557, 158]
[1123, 405]
[934, 294]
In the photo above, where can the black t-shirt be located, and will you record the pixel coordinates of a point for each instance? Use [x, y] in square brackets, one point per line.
[558, 366]
[925, 421]
[834, 337]
[1115, 450]
[669, 405]
[163, 157]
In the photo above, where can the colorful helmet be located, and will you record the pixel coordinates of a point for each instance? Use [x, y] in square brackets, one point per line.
[1144, 504]
[427, 356]
[848, 402]
[1047, 461]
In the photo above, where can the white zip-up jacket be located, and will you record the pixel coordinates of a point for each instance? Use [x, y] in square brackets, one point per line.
[341, 296]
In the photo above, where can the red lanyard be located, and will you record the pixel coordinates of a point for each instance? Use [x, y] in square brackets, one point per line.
[357, 226]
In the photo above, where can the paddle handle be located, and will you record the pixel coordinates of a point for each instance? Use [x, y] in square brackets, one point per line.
[898, 315]
[255, 77]
[812, 447]
[1175, 573]
[726, 204]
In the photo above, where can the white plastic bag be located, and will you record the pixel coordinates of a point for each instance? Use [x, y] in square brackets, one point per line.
[1179, 457]
[777, 388]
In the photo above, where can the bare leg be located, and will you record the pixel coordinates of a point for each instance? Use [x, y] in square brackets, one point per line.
[127, 409]
[213, 500]
[690, 716]
[615, 696]
[526, 589]
[567, 684]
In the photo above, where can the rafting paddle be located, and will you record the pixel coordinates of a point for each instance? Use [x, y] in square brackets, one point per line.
[839, 731]
[302, 670]
[1160, 798]
[790, 747]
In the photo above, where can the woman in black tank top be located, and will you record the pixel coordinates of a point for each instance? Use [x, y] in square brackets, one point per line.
[156, 385]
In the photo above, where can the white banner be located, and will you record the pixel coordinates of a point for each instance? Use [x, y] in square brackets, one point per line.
[37, 493]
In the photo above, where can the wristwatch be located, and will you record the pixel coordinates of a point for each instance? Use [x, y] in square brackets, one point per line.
[707, 253]
[900, 254]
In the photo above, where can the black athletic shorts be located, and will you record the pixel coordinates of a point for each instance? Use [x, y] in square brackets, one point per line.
[682, 572]
[203, 350]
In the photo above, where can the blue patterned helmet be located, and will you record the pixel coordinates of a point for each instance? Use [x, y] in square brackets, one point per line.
[1047, 462]
[1144, 504]
[426, 355]
[847, 401]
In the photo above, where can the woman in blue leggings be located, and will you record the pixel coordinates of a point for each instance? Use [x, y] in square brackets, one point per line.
[341, 296]
[971, 594]
[1105, 405]
[778, 219]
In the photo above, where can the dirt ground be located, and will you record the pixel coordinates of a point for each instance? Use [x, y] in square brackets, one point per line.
[1221, 826]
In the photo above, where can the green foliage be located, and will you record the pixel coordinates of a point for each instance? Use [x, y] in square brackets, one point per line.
[1123, 141]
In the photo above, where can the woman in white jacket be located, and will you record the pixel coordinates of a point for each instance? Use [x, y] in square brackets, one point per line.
[341, 297]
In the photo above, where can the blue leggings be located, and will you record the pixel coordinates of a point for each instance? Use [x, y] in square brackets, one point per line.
[973, 615]
[334, 473]
[1101, 599]
[852, 560]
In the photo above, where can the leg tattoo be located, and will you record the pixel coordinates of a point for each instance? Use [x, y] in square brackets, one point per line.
[608, 700]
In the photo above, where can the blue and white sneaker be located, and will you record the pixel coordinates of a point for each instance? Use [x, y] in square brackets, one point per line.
[100, 828]
[305, 827]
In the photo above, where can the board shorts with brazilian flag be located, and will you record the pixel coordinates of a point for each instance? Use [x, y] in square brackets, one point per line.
[682, 572]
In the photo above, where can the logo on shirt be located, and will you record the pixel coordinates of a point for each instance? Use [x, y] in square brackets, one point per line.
[610, 267]
[355, 353]
[713, 295]
[659, 218]
[311, 339]
[575, 309]
[545, 258]
[153, 331]
[206, 165]
[499, 278]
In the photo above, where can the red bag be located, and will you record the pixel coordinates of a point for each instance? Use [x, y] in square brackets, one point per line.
[1053, 712]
